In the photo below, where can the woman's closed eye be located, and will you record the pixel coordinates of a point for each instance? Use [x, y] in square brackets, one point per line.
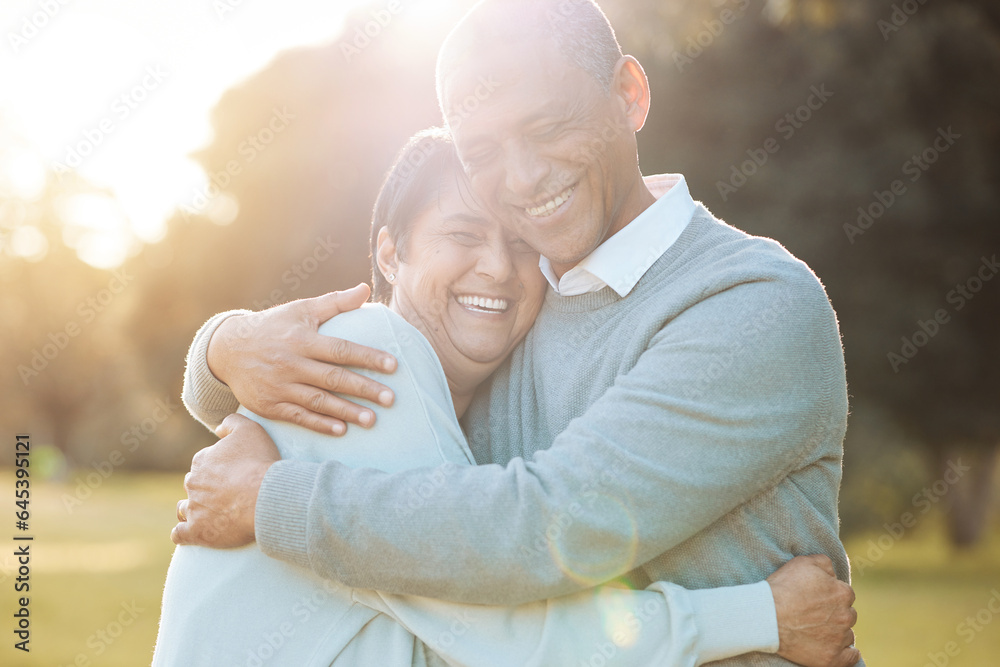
[547, 132]
[466, 238]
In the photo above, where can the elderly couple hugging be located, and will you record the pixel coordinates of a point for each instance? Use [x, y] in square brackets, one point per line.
[614, 430]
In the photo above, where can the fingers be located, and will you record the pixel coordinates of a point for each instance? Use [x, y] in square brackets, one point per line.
[230, 424]
[324, 412]
[851, 595]
[324, 307]
[182, 510]
[823, 562]
[344, 381]
[181, 534]
[345, 353]
[315, 422]
[849, 657]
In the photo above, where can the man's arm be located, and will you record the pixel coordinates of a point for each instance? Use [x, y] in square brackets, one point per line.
[276, 364]
[709, 417]
[207, 398]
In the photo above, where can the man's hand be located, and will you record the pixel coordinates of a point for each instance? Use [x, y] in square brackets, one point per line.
[280, 367]
[222, 486]
[815, 613]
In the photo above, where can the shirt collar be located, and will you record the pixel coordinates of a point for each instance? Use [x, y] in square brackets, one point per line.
[624, 258]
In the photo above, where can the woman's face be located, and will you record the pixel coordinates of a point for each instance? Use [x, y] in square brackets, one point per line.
[467, 284]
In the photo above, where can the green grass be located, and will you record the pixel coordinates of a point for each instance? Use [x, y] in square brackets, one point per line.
[912, 600]
[114, 548]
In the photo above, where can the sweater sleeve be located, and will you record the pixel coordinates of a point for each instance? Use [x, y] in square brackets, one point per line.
[662, 625]
[208, 399]
[710, 415]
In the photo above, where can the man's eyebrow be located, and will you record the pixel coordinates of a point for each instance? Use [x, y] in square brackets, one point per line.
[557, 115]
[560, 115]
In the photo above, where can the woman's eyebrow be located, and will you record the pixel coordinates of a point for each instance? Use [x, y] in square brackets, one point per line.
[465, 217]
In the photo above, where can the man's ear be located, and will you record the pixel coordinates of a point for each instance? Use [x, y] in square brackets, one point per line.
[631, 87]
[385, 254]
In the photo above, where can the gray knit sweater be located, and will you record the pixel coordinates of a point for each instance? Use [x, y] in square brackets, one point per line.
[689, 432]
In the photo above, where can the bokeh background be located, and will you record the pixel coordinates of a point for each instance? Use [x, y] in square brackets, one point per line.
[163, 162]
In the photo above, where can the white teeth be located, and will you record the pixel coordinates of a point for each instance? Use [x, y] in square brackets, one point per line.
[481, 302]
[546, 210]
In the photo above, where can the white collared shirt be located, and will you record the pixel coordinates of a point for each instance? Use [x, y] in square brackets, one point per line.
[624, 258]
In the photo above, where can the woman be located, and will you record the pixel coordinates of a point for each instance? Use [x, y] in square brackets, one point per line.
[457, 294]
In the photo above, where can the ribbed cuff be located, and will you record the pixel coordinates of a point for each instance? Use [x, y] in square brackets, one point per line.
[280, 519]
[735, 620]
[205, 396]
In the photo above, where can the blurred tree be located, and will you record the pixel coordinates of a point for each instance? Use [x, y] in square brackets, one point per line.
[904, 80]
[787, 116]
[61, 333]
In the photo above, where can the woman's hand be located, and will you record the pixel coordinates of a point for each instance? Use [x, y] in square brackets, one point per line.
[280, 367]
[222, 486]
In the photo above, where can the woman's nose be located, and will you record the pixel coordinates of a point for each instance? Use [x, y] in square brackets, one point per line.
[495, 261]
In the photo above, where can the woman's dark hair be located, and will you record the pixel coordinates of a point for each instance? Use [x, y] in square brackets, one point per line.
[412, 185]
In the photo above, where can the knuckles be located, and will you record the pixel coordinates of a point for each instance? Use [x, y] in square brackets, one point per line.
[845, 594]
[316, 401]
[333, 378]
[338, 348]
[196, 460]
[292, 413]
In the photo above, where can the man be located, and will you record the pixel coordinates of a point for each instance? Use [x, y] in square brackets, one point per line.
[677, 413]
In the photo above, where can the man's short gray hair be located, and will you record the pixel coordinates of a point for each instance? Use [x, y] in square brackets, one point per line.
[579, 28]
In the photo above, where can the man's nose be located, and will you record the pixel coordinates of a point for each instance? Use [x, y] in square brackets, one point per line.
[525, 171]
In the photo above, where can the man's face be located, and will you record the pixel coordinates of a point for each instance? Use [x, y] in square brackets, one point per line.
[546, 148]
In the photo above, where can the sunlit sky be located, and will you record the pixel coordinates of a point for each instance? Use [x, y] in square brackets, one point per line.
[170, 60]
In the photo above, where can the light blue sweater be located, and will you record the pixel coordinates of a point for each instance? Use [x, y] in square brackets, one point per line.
[240, 607]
